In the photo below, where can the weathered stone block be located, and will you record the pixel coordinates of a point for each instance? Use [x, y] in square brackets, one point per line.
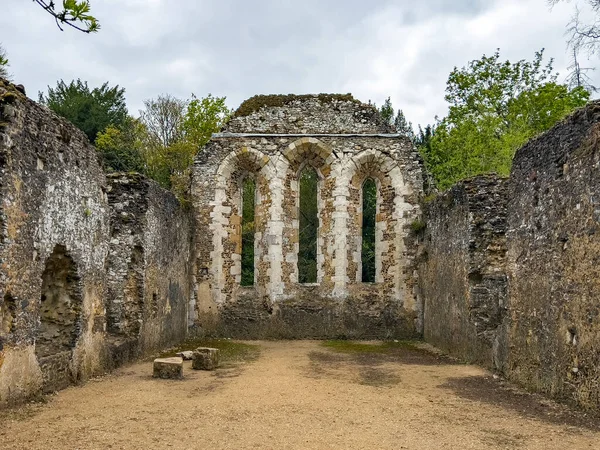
[186, 355]
[168, 368]
[205, 358]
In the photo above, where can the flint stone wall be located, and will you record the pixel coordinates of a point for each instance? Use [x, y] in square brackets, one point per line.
[553, 261]
[462, 271]
[53, 193]
[149, 267]
[277, 305]
[68, 240]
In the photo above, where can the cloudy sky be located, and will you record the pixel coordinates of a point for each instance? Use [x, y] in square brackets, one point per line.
[239, 48]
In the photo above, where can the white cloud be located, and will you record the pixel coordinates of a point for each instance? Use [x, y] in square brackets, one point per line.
[238, 48]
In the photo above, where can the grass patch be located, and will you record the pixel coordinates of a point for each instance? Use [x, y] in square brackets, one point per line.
[230, 351]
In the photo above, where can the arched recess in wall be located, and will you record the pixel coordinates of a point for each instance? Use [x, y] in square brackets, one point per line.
[8, 317]
[239, 168]
[389, 220]
[125, 311]
[308, 202]
[60, 305]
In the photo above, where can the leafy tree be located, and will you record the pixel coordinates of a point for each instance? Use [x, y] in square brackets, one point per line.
[308, 226]
[204, 117]
[163, 118]
[369, 211]
[91, 110]
[75, 14]
[248, 230]
[122, 148]
[495, 107]
[3, 64]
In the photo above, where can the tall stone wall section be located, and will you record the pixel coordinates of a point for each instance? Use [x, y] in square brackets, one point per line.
[527, 304]
[149, 267]
[553, 261]
[462, 272]
[62, 226]
[319, 133]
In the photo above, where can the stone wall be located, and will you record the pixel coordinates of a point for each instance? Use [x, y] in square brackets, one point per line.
[92, 273]
[149, 267]
[54, 241]
[339, 304]
[553, 261]
[462, 270]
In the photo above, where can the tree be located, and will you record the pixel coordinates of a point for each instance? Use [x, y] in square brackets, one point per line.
[495, 107]
[122, 148]
[387, 111]
[177, 129]
[3, 64]
[91, 110]
[403, 126]
[73, 13]
[578, 76]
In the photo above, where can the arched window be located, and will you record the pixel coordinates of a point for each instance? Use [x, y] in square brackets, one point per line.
[369, 213]
[248, 199]
[308, 226]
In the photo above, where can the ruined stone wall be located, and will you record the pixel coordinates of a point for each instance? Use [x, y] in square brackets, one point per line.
[553, 254]
[92, 274]
[462, 271]
[53, 246]
[277, 305]
[149, 267]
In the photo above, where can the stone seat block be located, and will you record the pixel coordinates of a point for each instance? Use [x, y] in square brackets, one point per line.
[205, 358]
[186, 355]
[168, 368]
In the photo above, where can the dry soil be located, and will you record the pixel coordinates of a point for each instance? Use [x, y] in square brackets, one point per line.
[302, 395]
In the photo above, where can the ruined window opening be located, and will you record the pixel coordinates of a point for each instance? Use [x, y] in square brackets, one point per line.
[60, 305]
[8, 313]
[248, 229]
[369, 213]
[308, 226]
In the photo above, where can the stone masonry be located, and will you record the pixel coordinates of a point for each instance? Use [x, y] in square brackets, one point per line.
[345, 142]
[92, 272]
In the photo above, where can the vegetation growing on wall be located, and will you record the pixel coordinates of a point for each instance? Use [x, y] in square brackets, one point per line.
[257, 102]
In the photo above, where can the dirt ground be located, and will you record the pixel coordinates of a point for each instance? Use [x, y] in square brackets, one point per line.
[302, 395]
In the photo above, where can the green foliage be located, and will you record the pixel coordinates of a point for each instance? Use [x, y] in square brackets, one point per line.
[3, 64]
[248, 230]
[204, 117]
[75, 14]
[257, 102]
[387, 111]
[399, 122]
[122, 147]
[418, 225]
[308, 226]
[91, 110]
[495, 107]
[369, 213]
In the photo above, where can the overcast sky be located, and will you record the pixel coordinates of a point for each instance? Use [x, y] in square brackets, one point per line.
[239, 48]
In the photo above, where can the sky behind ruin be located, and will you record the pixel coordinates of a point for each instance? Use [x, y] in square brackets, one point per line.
[239, 48]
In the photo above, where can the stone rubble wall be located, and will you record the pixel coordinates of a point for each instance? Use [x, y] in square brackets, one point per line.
[553, 261]
[65, 230]
[331, 114]
[277, 305]
[462, 270]
[527, 304]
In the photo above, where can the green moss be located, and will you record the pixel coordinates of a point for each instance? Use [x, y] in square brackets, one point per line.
[363, 347]
[230, 351]
[257, 102]
[429, 198]
[418, 225]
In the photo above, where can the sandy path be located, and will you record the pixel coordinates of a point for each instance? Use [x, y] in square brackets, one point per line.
[298, 395]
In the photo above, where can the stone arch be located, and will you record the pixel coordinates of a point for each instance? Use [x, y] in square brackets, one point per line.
[319, 156]
[60, 306]
[390, 219]
[227, 219]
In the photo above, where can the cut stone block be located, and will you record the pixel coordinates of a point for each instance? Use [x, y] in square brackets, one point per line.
[186, 355]
[205, 358]
[168, 368]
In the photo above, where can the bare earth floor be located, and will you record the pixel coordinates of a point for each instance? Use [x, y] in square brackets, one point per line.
[301, 395]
